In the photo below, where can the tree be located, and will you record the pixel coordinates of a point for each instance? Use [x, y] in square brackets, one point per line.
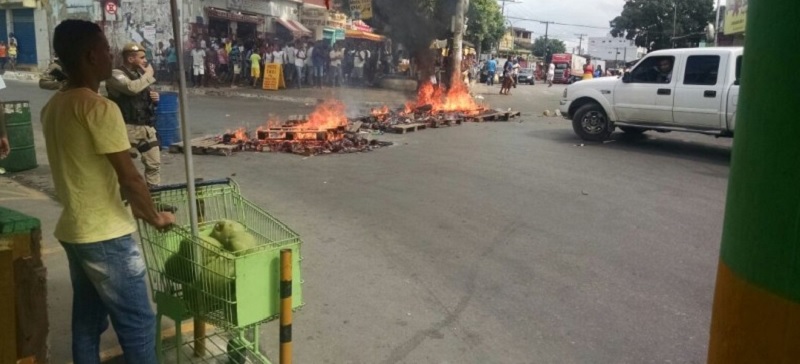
[650, 22]
[485, 25]
[555, 46]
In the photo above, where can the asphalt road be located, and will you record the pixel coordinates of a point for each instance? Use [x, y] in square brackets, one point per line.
[485, 243]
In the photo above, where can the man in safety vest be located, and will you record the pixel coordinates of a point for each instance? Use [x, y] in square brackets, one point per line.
[129, 88]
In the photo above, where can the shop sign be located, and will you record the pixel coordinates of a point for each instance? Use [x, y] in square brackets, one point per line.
[361, 9]
[233, 16]
[273, 77]
[251, 6]
[735, 16]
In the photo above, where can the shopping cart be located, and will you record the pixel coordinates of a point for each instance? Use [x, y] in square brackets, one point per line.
[191, 277]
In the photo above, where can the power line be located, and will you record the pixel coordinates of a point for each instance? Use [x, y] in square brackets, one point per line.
[557, 23]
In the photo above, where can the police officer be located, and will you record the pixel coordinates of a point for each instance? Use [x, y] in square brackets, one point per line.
[54, 78]
[129, 87]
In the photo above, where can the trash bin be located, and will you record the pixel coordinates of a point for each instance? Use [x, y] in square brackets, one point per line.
[23, 288]
[20, 136]
[167, 126]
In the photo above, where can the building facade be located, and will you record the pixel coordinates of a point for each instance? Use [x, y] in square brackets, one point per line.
[523, 36]
[150, 22]
[27, 21]
[613, 48]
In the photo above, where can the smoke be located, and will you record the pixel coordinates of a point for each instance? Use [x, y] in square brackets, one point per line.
[414, 23]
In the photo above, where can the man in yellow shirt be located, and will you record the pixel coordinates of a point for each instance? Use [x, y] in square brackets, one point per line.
[87, 147]
[255, 67]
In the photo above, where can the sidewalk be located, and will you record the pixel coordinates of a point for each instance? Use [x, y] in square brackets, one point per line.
[350, 95]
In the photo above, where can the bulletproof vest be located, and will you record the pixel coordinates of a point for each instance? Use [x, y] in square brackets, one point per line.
[138, 109]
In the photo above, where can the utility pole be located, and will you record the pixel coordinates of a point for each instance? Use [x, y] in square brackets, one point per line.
[546, 44]
[503, 8]
[757, 298]
[674, 22]
[580, 42]
[458, 40]
[716, 27]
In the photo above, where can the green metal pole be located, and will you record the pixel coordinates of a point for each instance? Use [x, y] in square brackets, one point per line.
[756, 312]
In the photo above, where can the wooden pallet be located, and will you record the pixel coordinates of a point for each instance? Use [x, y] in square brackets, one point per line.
[496, 115]
[405, 128]
[206, 145]
[445, 123]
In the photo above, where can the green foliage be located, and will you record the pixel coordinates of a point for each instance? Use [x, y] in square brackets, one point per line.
[416, 23]
[485, 24]
[650, 22]
[555, 45]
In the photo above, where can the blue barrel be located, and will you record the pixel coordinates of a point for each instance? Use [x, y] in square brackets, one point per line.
[167, 125]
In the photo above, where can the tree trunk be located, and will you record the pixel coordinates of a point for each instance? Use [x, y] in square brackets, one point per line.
[457, 51]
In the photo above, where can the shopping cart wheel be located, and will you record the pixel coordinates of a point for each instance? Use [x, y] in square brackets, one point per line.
[237, 351]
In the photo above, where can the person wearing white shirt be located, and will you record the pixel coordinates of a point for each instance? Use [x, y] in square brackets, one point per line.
[362, 55]
[198, 64]
[336, 55]
[309, 64]
[288, 64]
[277, 55]
[300, 57]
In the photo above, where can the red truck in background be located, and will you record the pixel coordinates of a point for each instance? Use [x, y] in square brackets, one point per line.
[564, 61]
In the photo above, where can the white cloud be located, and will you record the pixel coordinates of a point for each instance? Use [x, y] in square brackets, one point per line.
[595, 13]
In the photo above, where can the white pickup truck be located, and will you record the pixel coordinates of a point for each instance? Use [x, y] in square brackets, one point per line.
[691, 90]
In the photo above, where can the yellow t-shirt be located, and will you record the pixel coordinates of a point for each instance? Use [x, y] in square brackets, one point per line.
[80, 128]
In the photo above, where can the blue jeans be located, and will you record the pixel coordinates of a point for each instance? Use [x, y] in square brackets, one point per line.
[298, 75]
[108, 280]
[490, 78]
[319, 71]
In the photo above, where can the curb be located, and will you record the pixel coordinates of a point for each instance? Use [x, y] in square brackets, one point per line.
[20, 76]
[264, 95]
[258, 94]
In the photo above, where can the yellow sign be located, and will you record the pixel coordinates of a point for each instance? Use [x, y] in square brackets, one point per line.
[273, 77]
[735, 16]
[360, 9]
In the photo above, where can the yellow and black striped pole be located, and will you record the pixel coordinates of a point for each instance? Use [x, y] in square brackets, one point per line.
[286, 307]
[756, 312]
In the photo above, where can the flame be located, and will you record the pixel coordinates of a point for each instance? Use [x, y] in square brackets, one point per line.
[456, 99]
[328, 115]
[380, 111]
[238, 135]
[408, 108]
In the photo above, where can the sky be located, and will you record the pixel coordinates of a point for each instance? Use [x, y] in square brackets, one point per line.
[595, 13]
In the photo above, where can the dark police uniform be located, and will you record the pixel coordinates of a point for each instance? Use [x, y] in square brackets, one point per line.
[131, 91]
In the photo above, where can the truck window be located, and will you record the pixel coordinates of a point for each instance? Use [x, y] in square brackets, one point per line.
[738, 70]
[701, 70]
[654, 70]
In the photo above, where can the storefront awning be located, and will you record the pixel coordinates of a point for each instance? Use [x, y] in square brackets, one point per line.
[359, 34]
[294, 27]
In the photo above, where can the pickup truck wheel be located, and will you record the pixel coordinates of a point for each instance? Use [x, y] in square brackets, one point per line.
[591, 123]
[632, 130]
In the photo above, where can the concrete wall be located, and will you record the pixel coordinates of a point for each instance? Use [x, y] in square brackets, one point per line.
[42, 38]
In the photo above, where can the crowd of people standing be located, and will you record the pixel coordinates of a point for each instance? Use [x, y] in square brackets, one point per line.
[224, 62]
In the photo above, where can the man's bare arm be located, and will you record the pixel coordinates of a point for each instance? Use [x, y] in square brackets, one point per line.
[135, 190]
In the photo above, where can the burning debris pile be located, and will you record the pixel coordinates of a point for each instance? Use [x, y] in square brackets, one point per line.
[326, 130]
[433, 108]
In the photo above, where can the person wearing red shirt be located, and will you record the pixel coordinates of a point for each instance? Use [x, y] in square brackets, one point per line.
[588, 71]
